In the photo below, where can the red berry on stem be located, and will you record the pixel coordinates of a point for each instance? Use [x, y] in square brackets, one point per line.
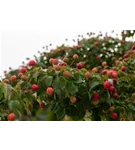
[50, 91]
[96, 96]
[35, 87]
[13, 78]
[107, 84]
[23, 70]
[115, 95]
[55, 61]
[41, 104]
[79, 65]
[123, 68]
[114, 116]
[11, 117]
[75, 56]
[32, 63]
[114, 74]
[112, 88]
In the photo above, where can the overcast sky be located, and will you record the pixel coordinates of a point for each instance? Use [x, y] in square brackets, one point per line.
[24, 40]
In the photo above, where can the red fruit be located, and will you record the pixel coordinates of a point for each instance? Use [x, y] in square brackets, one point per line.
[67, 74]
[133, 47]
[6, 81]
[57, 67]
[98, 57]
[41, 104]
[109, 73]
[63, 64]
[114, 116]
[26, 91]
[112, 88]
[65, 59]
[107, 84]
[20, 74]
[50, 91]
[96, 44]
[79, 65]
[13, 78]
[115, 95]
[55, 61]
[75, 56]
[11, 117]
[32, 63]
[73, 99]
[104, 63]
[87, 75]
[79, 46]
[126, 56]
[24, 78]
[123, 68]
[112, 108]
[51, 60]
[96, 96]
[35, 87]
[95, 69]
[23, 70]
[114, 74]
[114, 81]
[104, 71]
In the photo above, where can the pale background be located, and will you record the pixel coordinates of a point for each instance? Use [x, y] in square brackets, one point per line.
[18, 41]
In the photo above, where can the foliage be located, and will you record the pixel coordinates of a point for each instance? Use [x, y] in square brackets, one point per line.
[79, 93]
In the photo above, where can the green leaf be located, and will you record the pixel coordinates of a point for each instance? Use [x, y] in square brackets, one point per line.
[48, 80]
[94, 84]
[1, 94]
[60, 112]
[131, 106]
[72, 88]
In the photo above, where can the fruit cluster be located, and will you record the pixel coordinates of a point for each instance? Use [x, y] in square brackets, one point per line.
[93, 80]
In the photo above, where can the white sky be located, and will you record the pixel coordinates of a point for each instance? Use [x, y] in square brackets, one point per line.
[19, 41]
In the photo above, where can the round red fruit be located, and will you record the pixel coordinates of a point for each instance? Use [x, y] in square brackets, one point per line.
[55, 61]
[65, 59]
[32, 63]
[6, 81]
[123, 68]
[23, 70]
[75, 56]
[114, 116]
[13, 78]
[98, 57]
[20, 74]
[104, 63]
[87, 75]
[67, 74]
[112, 108]
[26, 91]
[11, 117]
[112, 88]
[114, 81]
[104, 71]
[24, 78]
[51, 60]
[115, 95]
[35, 87]
[114, 74]
[50, 91]
[79, 66]
[96, 96]
[41, 104]
[133, 47]
[107, 84]
[57, 67]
